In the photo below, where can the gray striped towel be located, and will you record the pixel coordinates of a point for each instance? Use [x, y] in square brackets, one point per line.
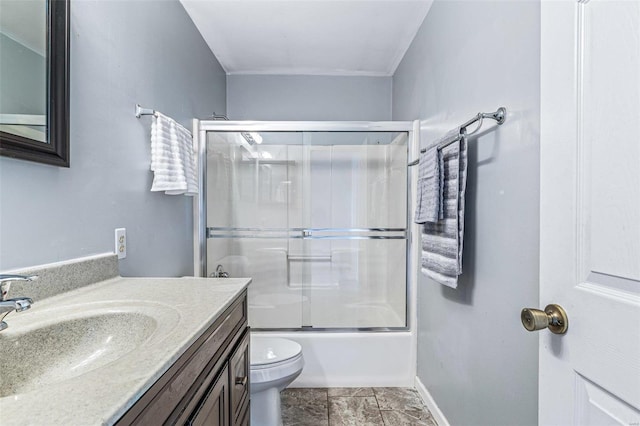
[442, 240]
[429, 200]
[430, 194]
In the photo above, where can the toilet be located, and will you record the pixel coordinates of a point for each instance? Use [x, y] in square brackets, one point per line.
[275, 363]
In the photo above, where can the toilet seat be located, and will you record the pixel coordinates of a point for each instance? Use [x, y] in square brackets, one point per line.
[277, 364]
[272, 352]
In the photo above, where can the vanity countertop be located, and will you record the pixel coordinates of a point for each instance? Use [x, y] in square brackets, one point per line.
[152, 321]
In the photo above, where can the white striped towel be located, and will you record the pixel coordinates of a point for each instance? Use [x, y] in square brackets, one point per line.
[173, 157]
[442, 241]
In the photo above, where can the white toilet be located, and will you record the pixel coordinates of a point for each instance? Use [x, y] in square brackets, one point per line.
[275, 363]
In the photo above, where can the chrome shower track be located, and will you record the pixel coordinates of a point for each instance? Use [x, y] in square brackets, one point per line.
[309, 233]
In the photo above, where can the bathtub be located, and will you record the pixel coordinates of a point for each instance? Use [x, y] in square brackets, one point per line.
[354, 359]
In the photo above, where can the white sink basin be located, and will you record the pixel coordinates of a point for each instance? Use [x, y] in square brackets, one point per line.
[52, 346]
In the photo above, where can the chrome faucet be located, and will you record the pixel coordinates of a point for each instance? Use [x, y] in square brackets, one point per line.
[17, 304]
[219, 273]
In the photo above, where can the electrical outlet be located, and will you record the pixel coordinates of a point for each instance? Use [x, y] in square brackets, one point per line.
[121, 243]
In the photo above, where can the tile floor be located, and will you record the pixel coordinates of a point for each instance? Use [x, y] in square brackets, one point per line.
[354, 407]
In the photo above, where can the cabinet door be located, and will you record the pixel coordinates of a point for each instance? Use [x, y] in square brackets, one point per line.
[239, 380]
[213, 410]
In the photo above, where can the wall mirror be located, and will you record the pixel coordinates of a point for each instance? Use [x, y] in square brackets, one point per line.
[34, 80]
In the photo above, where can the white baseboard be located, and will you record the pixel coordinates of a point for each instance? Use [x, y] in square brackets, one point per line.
[430, 403]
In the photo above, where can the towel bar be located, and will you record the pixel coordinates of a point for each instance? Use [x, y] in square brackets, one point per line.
[500, 115]
[144, 111]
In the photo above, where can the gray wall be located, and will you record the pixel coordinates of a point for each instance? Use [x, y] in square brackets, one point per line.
[308, 97]
[474, 357]
[122, 53]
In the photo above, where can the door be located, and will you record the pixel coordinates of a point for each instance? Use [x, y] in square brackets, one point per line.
[590, 211]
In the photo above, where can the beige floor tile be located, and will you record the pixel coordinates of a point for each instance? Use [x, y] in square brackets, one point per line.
[402, 399]
[304, 407]
[304, 396]
[354, 411]
[354, 407]
[305, 415]
[350, 392]
[407, 418]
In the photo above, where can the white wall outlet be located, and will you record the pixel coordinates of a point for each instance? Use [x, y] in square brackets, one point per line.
[121, 243]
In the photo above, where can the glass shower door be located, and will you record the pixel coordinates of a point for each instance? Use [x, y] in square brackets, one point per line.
[249, 192]
[354, 220]
[317, 219]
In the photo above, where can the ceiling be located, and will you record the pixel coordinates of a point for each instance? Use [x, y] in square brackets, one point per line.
[314, 37]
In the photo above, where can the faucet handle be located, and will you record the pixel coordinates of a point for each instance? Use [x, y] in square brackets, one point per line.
[14, 277]
[6, 279]
[21, 303]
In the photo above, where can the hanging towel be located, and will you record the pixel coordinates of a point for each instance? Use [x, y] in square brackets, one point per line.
[442, 240]
[429, 198]
[173, 158]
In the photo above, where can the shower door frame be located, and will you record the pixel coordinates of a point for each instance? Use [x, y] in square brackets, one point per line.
[200, 231]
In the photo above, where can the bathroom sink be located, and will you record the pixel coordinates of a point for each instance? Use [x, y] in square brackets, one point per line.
[87, 356]
[48, 347]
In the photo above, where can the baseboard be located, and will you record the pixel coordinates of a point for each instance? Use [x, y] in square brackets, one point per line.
[430, 403]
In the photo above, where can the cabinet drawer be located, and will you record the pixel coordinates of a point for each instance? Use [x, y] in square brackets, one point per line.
[239, 369]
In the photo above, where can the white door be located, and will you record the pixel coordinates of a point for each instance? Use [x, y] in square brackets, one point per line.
[590, 211]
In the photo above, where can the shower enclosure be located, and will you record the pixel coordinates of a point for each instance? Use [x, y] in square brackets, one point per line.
[317, 214]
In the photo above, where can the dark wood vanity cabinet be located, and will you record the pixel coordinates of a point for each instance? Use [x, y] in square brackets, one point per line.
[209, 384]
[226, 401]
[213, 409]
[239, 383]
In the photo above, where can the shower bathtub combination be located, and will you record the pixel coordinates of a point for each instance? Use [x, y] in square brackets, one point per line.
[317, 213]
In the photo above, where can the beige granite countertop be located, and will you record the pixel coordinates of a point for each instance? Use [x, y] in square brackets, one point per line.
[186, 307]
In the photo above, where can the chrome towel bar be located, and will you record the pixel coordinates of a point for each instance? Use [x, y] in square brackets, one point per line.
[500, 115]
[144, 111]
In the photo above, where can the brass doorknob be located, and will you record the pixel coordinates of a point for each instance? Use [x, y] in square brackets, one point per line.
[553, 317]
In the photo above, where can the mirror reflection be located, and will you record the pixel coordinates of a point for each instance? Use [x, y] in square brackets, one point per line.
[23, 68]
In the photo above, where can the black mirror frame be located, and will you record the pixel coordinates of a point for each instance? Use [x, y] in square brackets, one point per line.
[56, 151]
